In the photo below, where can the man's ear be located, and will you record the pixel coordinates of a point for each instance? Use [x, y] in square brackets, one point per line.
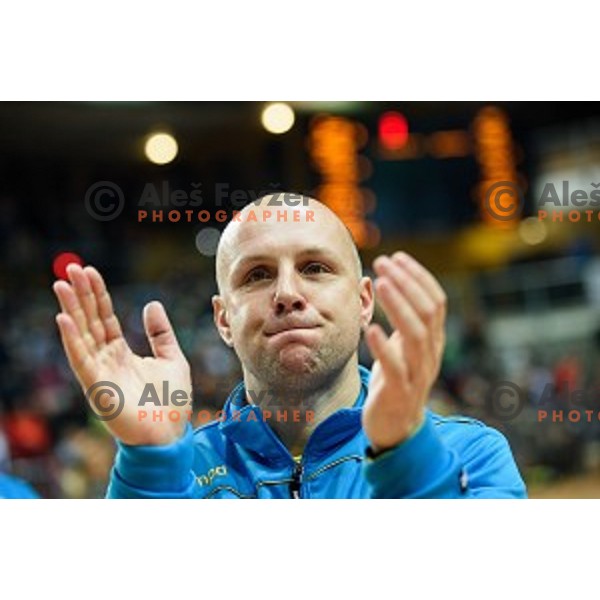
[221, 320]
[367, 302]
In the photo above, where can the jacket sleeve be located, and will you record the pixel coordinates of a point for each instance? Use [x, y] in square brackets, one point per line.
[154, 471]
[15, 488]
[426, 466]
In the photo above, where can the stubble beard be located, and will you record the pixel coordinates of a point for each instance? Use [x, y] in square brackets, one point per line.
[300, 371]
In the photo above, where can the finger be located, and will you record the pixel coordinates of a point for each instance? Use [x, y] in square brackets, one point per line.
[426, 279]
[106, 313]
[160, 332]
[87, 300]
[414, 333]
[76, 350]
[429, 283]
[408, 284]
[422, 302]
[390, 358]
[69, 304]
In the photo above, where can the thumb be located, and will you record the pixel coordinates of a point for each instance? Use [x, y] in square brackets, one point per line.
[160, 332]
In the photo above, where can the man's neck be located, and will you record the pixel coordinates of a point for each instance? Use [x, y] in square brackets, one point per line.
[294, 415]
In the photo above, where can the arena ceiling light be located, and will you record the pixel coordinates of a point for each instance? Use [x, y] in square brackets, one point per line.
[161, 148]
[278, 118]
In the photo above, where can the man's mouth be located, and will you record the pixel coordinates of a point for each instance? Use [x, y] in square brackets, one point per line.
[290, 329]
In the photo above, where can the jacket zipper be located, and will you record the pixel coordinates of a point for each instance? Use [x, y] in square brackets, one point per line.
[295, 483]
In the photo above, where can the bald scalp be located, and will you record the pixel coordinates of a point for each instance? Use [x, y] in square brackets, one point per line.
[227, 242]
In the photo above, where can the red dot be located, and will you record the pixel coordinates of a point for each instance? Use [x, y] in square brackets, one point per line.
[393, 130]
[62, 260]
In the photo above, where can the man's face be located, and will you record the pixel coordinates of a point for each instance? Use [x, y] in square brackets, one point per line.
[292, 301]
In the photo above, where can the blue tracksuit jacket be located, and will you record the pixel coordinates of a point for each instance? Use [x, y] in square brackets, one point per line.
[13, 488]
[449, 457]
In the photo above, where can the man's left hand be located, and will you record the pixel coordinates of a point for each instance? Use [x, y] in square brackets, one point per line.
[407, 362]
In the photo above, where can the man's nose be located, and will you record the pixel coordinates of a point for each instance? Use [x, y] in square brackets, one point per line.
[288, 296]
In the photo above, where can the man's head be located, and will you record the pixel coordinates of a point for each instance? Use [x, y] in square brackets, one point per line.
[292, 300]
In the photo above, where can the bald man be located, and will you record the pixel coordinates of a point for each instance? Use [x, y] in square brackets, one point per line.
[307, 421]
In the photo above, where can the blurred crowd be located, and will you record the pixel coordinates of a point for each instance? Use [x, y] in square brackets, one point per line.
[49, 438]
[546, 401]
[48, 435]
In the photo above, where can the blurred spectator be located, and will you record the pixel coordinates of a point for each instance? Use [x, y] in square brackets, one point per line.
[10, 486]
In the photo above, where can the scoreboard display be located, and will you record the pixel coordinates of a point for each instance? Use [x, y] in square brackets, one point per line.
[392, 174]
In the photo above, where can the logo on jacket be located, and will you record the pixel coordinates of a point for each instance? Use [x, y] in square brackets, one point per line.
[207, 478]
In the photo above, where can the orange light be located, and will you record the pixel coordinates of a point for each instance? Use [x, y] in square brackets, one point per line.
[494, 151]
[449, 144]
[334, 144]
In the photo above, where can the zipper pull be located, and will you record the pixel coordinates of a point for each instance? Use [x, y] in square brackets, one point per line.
[295, 483]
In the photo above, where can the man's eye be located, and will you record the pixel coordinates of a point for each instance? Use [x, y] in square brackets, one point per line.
[256, 275]
[314, 268]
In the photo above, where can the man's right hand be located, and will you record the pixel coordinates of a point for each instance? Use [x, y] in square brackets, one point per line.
[97, 351]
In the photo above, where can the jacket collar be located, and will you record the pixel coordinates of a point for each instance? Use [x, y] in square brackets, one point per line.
[244, 424]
